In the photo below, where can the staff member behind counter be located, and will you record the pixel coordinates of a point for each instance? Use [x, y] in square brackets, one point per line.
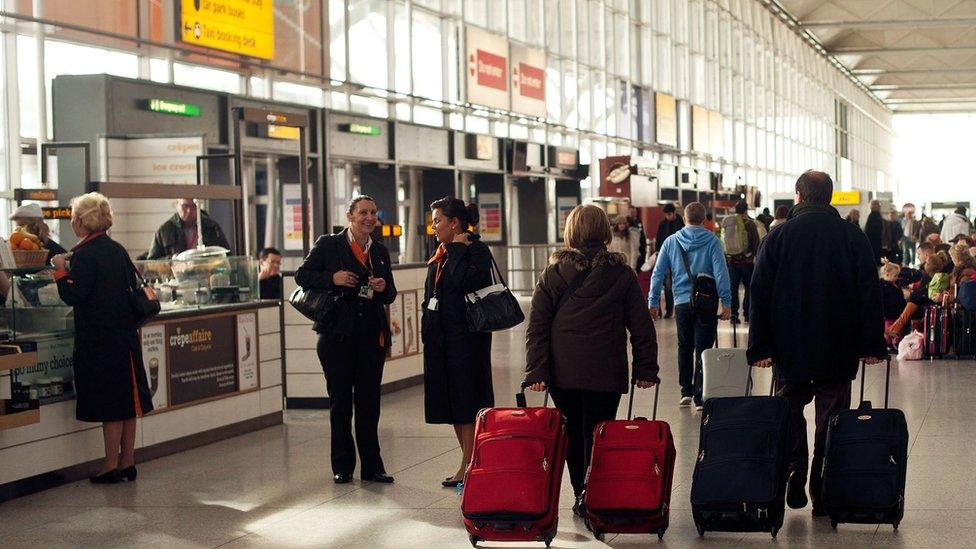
[31, 218]
[179, 233]
[269, 274]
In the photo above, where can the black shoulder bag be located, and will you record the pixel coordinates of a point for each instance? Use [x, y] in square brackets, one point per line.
[493, 308]
[704, 290]
[142, 298]
[313, 303]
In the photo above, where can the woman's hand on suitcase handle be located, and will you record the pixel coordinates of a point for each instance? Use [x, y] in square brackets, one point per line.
[644, 384]
[726, 313]
[537, 387]
[870, 360]
[763, 363]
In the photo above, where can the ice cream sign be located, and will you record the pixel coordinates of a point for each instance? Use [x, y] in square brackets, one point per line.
[528, 78]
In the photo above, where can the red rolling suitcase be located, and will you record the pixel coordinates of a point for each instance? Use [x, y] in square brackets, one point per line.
[628, 484]
[511, 486]
[937, 325]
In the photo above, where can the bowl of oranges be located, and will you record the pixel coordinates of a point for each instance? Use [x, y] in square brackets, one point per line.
[27, 249]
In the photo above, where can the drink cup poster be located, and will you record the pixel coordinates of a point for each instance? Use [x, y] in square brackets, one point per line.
[154, 360]
[247, 352]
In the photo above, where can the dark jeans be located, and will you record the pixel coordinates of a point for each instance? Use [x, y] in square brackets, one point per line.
[695, 334]
[740, 273]
[583, 411]
[908, 251]
[830, 397]
[353, 372]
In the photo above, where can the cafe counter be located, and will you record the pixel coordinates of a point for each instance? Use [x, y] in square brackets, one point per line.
[214, 370]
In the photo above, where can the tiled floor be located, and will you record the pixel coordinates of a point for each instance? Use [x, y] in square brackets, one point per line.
[273, 488]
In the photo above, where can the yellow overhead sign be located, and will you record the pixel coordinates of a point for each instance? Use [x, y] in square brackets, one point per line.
[237, 26]
[846, 198]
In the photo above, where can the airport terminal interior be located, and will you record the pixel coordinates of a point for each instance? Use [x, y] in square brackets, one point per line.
[273, 271]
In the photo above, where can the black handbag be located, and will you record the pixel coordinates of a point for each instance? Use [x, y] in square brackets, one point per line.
[314, 304]
[493, 308]
[142, 300]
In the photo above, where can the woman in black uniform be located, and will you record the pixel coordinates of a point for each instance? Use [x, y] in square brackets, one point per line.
[110, 379]
[457, 362]
[354, 338]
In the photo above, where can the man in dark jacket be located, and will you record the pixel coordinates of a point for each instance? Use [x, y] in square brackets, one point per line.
[671, 224]
[179, 233]
[875, 229]
[816, 312]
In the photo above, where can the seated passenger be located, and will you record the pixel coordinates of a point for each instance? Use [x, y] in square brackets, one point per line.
[892, 300]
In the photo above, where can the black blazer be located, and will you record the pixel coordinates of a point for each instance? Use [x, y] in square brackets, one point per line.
[330, 254]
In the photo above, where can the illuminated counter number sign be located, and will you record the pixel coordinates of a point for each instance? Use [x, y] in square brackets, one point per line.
[360, 129]
[174, 107]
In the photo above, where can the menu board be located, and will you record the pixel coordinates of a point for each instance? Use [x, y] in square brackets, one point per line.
[202, 358]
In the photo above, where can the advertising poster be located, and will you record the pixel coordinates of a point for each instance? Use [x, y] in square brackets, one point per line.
[564, 205]
[700, 129]
[247, 351]
[201, 358]
[154, 361]
[487, 68]
[396, 327]
[55, 361]
[411, 323]
[291, 215]
[666, 112]
[528, 80]
[490, 214]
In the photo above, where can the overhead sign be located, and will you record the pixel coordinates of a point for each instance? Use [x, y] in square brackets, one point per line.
[40, 195]
[245, 27]
[57, 213]
[166, 106]
[360, 129]
[846, 198]
[283, 132]
[487, 74]
[666, 114]
[528, 80]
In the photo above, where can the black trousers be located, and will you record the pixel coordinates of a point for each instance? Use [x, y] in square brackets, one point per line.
[695, 334]
[353, 370]
[583, 411]
[828, 397]
[668, 293]
[740, 273]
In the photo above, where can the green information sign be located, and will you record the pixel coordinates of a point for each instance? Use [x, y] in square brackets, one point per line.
[361, 129]
[166, 106]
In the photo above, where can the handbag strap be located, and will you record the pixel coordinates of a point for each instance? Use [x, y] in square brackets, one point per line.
[687, 262]
[495, 271]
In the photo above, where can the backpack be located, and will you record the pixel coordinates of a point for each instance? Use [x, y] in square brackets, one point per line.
[761, 229]
[704, 290]
[734, 236]
[966, 294]
[938, 284]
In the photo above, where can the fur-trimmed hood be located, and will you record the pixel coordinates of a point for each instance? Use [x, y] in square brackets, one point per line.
[591, 258]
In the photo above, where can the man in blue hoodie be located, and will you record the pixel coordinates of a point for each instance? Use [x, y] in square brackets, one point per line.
[695, 332]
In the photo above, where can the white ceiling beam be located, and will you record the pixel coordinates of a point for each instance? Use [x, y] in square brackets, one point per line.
[885, 72]
[897, 50]
[936, 86]
[890, 24]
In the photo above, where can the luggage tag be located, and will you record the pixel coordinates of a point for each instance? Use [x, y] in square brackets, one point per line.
[432, 304]
[365, 292]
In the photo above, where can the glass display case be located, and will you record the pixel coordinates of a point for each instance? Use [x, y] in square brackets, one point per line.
[201, 282]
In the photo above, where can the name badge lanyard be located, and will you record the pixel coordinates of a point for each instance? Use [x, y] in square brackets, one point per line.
[363, 258]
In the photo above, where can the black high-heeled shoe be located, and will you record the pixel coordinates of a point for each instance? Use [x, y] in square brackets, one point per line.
[449, 482]
[112, 477]
[129, 473]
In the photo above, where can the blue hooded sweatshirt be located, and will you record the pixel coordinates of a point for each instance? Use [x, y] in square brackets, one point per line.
[705, 255]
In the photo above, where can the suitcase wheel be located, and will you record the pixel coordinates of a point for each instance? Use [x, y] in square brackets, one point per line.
[549, 539]
[701, 530]
[598, 535]
[660, 534]
[773, 532]
[473, 539]
[833, 524]
[895, 525]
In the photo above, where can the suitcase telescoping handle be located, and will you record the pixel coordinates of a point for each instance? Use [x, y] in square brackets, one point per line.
[520, 396]
[887, 379]
[735, 334]
[772, 381]
[630, 407]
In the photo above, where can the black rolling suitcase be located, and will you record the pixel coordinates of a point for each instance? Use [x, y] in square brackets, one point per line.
[865, 463]
[739, 484]
[964, 332]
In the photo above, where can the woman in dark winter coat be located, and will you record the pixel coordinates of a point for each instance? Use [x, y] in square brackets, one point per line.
[354, 337]
[874, 228]
[110, 380]
[586, 301]
[457, 362]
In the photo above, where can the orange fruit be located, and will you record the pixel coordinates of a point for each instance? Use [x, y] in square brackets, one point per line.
[15, 239]
[28, 244]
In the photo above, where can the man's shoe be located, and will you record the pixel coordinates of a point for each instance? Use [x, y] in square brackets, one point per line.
[668, 314]
[342, 478]
[699, 407]
[378, 477]
[579, 509]
[685, 401]
[796, 496]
